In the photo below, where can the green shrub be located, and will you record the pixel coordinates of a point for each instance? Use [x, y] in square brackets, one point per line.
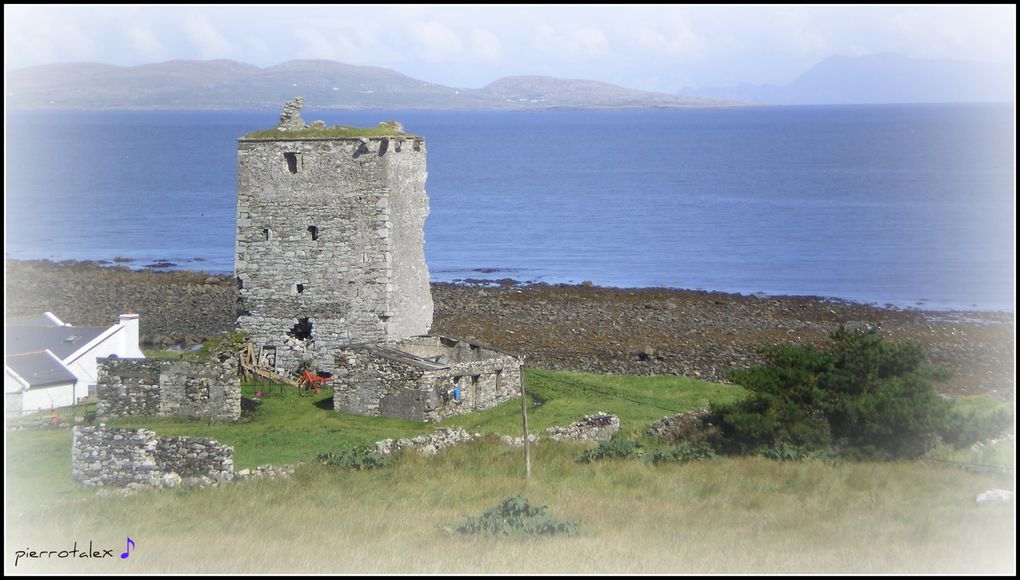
[359, 458]
[684, 452]
[862, 396]
[614, 448]
[967, 429]
[788, 452]
[514, 516]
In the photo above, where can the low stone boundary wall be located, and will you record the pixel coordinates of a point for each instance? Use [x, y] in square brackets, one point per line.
[597, 427]
[692, 426]
[106, 456]
[168, 387]
[427, 444]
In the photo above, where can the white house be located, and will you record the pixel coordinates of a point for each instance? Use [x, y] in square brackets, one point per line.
[49, 363]
[35, 381]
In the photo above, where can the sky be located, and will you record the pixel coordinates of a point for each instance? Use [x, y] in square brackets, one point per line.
[649, 47]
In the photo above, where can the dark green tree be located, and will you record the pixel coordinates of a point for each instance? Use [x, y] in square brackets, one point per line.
[861, 395]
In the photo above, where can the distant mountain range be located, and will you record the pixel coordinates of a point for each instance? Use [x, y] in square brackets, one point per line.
[881, 78]
[325, 84]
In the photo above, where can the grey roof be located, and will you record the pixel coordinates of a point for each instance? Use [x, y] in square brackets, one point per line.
[405, 358]
[37, 321]
[40, 369]
[61, 340]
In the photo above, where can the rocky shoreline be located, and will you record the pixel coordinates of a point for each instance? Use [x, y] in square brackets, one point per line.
[562, 327]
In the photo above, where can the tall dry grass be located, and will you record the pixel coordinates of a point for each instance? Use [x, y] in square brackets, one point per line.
[746, 515]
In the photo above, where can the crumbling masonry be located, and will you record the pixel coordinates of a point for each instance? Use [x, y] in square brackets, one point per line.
[330, 258]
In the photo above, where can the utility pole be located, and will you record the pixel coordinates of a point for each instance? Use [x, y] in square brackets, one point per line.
[524, 416]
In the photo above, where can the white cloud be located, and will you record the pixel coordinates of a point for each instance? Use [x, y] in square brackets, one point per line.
[144, 41]
[207, 38]
[485, 47]
[437, 41]
[41, 35]
[585, 42]
[678, 42]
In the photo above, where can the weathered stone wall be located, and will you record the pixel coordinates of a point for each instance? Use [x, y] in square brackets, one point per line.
[168, 387]
[104, 456]
[373, 385]
[598, 427]
[483, 384]
[127, 387]
[415, 378]
[330, 236]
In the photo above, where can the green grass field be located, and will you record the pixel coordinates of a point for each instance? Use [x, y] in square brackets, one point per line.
[737, 515]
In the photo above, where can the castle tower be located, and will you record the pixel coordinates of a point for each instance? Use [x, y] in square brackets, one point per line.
[330, 240]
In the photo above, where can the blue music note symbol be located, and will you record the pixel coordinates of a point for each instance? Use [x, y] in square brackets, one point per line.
[130, 544]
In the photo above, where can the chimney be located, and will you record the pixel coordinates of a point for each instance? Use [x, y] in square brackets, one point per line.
[130, 335]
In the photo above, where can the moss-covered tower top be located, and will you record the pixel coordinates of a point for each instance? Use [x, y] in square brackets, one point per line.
[292, 127]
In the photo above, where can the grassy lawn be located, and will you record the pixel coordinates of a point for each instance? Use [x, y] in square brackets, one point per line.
[736, 515]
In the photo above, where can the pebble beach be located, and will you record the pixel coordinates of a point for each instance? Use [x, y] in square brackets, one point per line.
[587, 328]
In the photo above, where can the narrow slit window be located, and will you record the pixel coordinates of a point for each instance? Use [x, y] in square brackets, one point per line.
[300, 288]
[293, 161]
[313, 232]
[266, 234]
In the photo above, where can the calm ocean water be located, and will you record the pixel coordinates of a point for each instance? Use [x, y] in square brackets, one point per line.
[911, 205]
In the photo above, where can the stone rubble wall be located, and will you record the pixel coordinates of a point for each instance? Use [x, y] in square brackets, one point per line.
[691, 426]
[105, 456]
[519, 440]
[362, 272]
[598, 427]
[427, 444]
[154, 387]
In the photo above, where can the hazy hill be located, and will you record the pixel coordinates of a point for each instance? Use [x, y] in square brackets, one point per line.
[551, 91]
[226, 84]
[882, 78]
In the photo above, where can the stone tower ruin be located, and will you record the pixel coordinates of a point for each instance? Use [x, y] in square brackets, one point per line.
[330, 240]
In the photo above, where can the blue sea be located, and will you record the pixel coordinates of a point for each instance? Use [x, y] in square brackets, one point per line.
[909, 205]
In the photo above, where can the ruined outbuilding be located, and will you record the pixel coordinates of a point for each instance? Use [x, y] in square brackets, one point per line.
[424, 378]
[331, 272]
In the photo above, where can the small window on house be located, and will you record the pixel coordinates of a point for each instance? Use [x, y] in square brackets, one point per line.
[313, 232]
[300, 288]
[302, 330]
[293, 161]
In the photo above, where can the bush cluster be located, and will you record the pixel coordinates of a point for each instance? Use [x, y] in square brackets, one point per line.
[514, 516]
[684, 452]
[615, 448]
[862, 397]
